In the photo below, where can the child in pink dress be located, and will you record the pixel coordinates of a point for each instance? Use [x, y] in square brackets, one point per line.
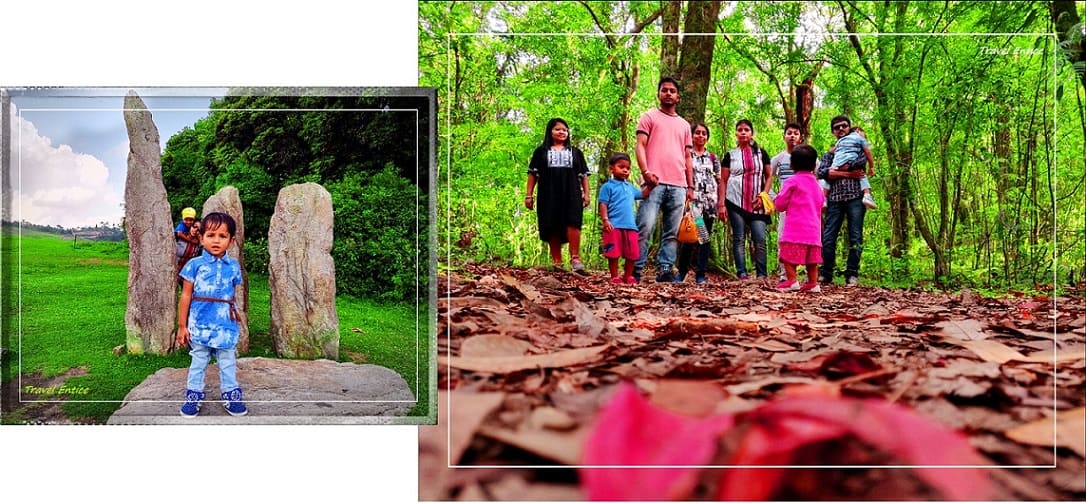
[801, 238]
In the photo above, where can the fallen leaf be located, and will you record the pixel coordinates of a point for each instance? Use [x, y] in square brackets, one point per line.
[457, 304]
[963, 330]
[754, 317]
[563, 447]
[691, 398]
[961, 387]
[796, 356]
[528, 291]
[991, 351]
[847, 363]
[490, 345]
[508, 364]
[963, 367]
[995, 351]
[747, 387]
[1061, 356]
[550, 418]
[630, 431]
[689, 326]
[876, 309]
[1068, 430]
[768, 345]
[587, 322]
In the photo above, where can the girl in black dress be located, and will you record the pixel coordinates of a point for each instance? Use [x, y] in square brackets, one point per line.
[560, 172]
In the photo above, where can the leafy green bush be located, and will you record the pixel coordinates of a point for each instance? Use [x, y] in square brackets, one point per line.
[256, 255]
[379, 235]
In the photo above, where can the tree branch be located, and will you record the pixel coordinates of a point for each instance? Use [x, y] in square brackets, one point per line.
[649, 20]
[610, 41]
[750, 57]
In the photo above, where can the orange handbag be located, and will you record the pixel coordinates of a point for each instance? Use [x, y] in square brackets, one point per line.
[688, 229]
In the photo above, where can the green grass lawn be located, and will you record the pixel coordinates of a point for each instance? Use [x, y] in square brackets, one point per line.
[72, 300]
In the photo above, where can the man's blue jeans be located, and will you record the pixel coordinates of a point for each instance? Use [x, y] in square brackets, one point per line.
[836, 213]
[666, 201]
[739, 238]
[201, 356]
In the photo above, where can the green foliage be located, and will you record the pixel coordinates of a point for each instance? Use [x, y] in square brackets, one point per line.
[260, 144]
[257, 256]
[379, 259]
[979, 155]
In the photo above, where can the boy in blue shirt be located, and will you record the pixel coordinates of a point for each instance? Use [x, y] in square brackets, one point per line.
[207, 317]
[616, 199]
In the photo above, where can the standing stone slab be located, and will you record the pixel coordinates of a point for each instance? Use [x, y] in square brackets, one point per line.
[152, 303]
[228, 201]
[302, 275]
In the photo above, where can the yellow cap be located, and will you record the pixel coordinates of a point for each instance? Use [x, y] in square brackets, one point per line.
[188, 213]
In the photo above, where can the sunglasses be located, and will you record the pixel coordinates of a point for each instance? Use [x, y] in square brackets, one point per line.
[840, 126]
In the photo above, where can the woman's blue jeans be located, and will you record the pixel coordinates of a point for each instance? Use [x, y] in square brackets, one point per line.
[739, 235]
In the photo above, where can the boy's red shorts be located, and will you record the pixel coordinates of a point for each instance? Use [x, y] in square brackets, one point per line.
[621, 243]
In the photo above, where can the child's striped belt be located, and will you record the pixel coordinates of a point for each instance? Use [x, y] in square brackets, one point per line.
[233, 307]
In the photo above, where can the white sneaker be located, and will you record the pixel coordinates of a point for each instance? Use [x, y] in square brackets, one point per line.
[869, 201]
[852, 281]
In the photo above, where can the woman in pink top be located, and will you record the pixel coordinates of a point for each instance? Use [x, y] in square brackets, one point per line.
[801, 238]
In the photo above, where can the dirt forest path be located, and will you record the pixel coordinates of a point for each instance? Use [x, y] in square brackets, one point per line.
[532, 357]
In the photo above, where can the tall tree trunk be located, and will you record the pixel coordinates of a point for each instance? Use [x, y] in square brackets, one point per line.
[804, 106]
[891, 117]
[696, 63]
[625, 74]
[1002, 145]
[669, 48]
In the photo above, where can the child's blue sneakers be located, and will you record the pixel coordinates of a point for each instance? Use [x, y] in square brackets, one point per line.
[191, 407]
[233, 404]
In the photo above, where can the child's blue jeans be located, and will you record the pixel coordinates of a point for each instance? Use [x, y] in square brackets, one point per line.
[201, 356]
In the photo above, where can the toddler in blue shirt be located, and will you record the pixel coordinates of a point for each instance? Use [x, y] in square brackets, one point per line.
[207, 316]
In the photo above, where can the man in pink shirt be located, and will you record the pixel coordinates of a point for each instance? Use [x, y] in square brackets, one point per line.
[664, 143]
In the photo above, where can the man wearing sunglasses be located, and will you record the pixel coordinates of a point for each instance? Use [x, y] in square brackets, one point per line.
[844, 202]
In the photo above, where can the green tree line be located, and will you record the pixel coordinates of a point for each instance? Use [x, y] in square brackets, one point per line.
[366, 151]
[975, 110]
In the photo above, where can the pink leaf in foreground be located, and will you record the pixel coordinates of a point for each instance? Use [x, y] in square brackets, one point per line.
[783, 426]
[631, 431]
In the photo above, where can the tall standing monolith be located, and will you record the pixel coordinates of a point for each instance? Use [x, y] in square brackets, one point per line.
[227, 200]
[151, 314]
[302, 276]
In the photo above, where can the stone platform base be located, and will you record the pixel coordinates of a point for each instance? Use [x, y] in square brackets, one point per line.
[277, 392]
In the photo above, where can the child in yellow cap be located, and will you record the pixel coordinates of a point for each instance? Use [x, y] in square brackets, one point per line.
[187, 241]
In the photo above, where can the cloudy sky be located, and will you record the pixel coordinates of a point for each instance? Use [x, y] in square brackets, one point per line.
[69, 154]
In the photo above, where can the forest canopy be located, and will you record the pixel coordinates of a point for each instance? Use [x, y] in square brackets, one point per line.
[371, 153]
[975, 111]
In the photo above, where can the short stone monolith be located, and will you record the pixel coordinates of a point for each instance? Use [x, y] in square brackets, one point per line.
[227, 200]
[151, 314]
[302, 275]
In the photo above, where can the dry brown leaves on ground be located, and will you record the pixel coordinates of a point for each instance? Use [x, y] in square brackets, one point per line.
[531, 357]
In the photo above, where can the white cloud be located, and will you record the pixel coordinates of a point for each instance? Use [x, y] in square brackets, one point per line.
[54, 185]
